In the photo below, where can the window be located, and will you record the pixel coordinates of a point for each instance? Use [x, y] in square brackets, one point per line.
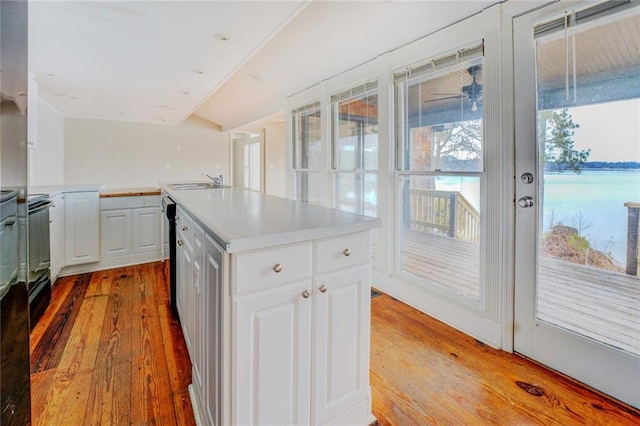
[307, 152]
[355, 149]
[439, 128]
[354, 134]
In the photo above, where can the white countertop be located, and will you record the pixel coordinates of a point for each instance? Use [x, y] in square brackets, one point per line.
[58, 189]
[242, 220]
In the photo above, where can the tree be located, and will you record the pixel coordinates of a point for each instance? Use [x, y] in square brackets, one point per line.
[556, 129]
[461, 141]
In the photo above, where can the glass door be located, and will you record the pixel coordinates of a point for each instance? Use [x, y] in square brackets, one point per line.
[578, 193]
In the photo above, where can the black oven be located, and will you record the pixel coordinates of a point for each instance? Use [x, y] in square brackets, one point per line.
[39, 278]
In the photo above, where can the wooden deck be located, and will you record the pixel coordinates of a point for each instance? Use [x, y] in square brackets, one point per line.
[599, 304]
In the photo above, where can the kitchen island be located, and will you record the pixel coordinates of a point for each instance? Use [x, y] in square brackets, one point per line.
[273, 297]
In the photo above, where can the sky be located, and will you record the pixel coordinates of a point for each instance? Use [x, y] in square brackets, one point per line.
[611, 130]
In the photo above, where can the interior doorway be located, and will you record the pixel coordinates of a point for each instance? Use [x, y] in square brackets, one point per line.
[248, 160]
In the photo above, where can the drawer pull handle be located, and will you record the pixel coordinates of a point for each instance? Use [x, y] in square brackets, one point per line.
[306, 294]
[346, 252]
[277, 268]
[323, 288]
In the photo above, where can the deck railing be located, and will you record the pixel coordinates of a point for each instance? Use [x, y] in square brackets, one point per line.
[445, 212]
[633, 255]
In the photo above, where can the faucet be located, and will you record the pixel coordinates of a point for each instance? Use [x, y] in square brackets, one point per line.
[219, 180]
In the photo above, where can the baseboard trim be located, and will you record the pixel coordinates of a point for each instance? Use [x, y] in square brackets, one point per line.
[111, 262]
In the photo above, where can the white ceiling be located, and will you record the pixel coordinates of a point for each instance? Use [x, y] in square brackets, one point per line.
[143, 60]
[135, 60]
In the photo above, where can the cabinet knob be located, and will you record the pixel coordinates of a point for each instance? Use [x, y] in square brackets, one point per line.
[184, 229]
[346, 252]
[306, 294]
[277, 268]
[180, 243]
[323, 288]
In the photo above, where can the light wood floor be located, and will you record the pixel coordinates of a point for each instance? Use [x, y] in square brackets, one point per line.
[107, 352]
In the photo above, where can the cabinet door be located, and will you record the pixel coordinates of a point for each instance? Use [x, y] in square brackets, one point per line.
[115, 233]
[341, 346]
[185, 272]
[81, 227]
[272, 357]
[212, 306]
[56, 231]
[146, 229]
[197, 321]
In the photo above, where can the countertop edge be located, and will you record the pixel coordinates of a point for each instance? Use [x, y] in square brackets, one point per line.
[242, 244]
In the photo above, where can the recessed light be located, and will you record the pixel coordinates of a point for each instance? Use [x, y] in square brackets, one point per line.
[169, 107]
[195, 71]
[184, 92]
[222, 37]
[48, 74]
[59, 94]
[73, 97]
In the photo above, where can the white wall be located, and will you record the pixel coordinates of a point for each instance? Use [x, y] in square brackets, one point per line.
[124, 154]
[46, 160]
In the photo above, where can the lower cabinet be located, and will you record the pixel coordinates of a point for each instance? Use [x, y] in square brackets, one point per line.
[341, 348]
[199, 297]
[273, 356]
[130, 226]
[56, 232]
[81, 227]
[283, 336]
[116, 233]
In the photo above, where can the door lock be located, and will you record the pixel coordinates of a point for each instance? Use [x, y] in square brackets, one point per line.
[527, 178]
[525, 202]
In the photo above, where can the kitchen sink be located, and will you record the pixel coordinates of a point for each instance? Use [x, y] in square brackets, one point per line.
[195, 185]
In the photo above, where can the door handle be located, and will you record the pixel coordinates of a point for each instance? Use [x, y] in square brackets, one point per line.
[525, 202]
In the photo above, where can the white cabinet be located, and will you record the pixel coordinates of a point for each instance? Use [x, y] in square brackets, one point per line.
[56, 231]
[146, 229]
[199, 285]
[115, 233]
[273, 357]
[212, 332]
[283, 336]
[130, 229]
[184, 270]
[81, 227]
[341, 368]
[301, 349]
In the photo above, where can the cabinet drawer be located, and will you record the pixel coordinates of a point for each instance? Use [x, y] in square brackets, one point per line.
[257, 270]
[342, 252]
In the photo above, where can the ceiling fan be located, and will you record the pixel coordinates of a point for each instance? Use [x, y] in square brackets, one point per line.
[472, 92]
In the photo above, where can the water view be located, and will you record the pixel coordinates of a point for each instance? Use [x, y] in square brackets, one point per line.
[593, 203]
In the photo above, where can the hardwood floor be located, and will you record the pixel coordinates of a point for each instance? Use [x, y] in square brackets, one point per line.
[425, 372]
[107, 352]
